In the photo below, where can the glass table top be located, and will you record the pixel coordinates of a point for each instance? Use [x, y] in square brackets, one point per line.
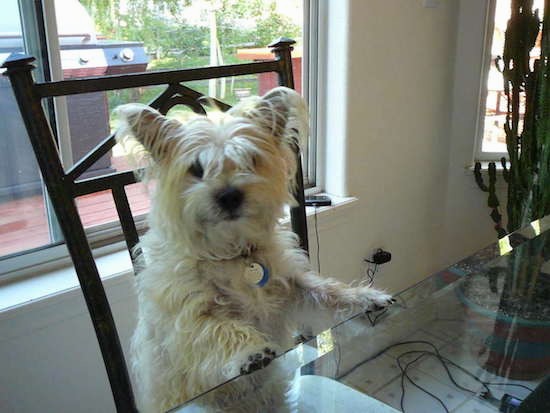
[462, 340]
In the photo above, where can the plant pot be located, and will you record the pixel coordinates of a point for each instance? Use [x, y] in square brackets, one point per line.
[511, 346]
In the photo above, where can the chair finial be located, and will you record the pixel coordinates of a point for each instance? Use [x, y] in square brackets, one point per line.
[18, 61]
[282, 43]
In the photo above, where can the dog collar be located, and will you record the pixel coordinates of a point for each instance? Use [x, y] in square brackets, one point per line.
[257, 274]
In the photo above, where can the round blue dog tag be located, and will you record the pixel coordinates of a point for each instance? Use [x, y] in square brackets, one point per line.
[256, 274]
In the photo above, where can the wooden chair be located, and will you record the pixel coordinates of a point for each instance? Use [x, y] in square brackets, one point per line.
[64, 186]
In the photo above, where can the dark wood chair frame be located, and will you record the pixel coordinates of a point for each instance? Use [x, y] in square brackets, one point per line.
[64, 186]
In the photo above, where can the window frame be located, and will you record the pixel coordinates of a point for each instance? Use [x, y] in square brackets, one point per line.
[486, 62]
[310, 33]
[108, 238]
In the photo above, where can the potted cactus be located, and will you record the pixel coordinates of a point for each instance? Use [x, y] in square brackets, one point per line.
[517, 346]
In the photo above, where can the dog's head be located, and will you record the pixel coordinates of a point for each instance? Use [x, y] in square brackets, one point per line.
[221, 182]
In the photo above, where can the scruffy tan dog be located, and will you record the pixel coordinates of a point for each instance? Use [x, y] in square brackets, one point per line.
[222, 285]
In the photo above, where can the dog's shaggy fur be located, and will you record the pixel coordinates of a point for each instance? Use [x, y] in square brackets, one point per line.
[220, 189]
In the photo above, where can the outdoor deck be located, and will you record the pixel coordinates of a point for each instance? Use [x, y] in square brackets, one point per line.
[23, 222]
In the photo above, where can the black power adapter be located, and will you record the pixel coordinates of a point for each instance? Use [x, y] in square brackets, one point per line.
[380, 257]
[317, 200]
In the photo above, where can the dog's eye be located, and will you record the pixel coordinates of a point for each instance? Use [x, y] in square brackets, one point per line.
[196, 170]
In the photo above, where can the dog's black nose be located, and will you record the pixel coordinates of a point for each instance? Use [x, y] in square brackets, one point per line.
[230, 199]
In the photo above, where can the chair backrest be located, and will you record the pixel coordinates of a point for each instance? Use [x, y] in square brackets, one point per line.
[64, 186]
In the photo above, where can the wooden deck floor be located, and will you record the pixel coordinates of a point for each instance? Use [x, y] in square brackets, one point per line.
[23, 222]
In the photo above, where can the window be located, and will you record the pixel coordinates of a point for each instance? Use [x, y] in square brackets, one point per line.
[23, 205]
[94, 37]
[492, 139]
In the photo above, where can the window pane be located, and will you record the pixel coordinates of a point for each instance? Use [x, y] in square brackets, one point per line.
[99, 208]
[23, 222]
[494, 138]
[117, 37]
[98, 37]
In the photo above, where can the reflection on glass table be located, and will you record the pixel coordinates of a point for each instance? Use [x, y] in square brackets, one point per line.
[474, 337]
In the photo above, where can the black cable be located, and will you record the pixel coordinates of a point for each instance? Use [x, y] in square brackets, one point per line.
[373, 322]
[510, 384]
[352, 369]
[338, 359]
[443, 360]
[422, 353]
[404, 303]
[405, 374]
[370, 272]
[317, 238]
[398, 362]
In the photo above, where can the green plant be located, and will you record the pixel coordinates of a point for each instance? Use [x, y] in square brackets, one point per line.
[527, 127]
[524, 290]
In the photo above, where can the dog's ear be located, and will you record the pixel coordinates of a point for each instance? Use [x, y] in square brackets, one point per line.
[284, 112]
[273, 110]
[281, 112]
[150, 128]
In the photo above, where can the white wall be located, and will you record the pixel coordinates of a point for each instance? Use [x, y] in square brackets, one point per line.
[411, 91]
[49, 357]
[399, 135]
[398, 111]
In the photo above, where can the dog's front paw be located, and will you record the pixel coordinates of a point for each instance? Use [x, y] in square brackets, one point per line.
[377, 300]
[258, 360]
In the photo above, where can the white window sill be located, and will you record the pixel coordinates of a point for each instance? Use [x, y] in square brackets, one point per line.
[115, 267]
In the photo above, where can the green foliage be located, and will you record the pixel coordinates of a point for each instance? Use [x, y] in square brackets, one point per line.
[527, 128]
[521, 82]
[270, 24]
[164, 32]
[174, 43]
[527, 88]
[274, 26]
[156, 23]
